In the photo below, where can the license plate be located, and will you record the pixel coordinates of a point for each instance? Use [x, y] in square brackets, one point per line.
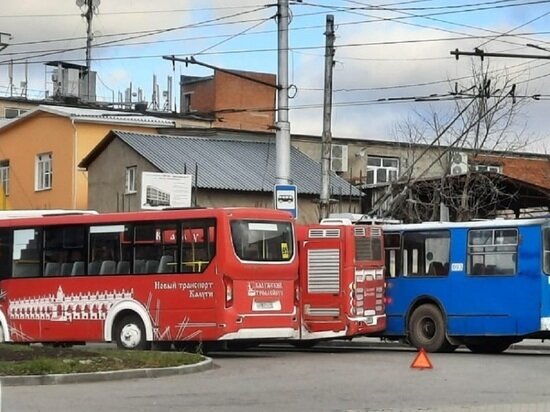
[266, 305]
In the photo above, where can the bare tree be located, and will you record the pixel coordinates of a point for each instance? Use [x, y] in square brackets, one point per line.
[483, 122]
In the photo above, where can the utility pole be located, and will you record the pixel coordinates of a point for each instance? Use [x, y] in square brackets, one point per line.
[88, 14]
[326, 141]
[282, 135]
[91, 8]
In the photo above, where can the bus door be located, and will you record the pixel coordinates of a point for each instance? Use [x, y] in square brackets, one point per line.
[322, 293]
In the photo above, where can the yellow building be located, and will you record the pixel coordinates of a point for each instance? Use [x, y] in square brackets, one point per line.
[40, 152]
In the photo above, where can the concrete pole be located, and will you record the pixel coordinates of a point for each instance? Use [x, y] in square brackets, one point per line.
[89, 15]
[282, 136]
[326, 142]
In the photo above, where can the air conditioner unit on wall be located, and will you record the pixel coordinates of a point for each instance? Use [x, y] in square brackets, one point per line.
[459, 163]
[339, 158]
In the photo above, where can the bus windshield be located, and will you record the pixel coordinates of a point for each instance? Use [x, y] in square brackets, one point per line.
[262, 241]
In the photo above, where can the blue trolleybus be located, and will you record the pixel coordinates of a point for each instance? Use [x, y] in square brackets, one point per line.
[484, 284]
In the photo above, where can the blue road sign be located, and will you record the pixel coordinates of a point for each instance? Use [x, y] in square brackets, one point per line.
[286, 198]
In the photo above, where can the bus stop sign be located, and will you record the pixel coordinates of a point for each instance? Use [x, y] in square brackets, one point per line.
[286, 198]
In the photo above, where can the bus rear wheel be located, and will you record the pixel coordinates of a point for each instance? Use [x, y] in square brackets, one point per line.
[427, 329]
[130, 333]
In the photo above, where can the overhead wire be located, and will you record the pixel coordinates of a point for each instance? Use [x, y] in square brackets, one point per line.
[515, 28]
[152, 32]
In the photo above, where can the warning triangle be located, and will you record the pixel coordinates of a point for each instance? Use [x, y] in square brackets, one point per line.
[421, 361]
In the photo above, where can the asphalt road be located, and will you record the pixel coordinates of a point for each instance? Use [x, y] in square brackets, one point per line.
[330, 379]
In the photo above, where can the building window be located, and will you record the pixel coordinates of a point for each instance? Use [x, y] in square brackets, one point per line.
[487, 168]
[5, 176]
[381, 169]
[44, 171]
[130, 180]
[13, 112]
[186, 104]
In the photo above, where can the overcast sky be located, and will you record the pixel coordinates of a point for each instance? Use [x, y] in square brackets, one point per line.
[402, 51]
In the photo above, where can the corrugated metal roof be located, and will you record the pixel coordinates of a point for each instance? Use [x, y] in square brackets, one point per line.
[106, 116]
[230, 164]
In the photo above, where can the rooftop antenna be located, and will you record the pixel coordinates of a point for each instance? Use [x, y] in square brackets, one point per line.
[92, 8]
[154, 97]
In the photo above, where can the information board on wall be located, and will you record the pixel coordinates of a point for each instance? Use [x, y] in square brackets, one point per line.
[161, 190]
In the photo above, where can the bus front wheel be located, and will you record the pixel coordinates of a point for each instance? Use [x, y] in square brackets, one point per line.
[427, 329]
[130, 333]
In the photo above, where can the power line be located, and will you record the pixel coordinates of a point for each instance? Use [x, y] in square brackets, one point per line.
[114, 13]
[166, 30]
[515, 28]
[245, 51]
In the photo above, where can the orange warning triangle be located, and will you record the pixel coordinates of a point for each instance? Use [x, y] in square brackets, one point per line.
[421, 361]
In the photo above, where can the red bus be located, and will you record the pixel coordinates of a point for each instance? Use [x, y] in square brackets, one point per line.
[171, 276]
[342, 284]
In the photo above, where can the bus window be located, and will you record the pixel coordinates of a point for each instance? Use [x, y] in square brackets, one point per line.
[105, 249]
[63, 246]
[26, 253]
[5, 254]
[262, 241]
[426, 253]
[198, 246]
[155, 247]
[492, 251]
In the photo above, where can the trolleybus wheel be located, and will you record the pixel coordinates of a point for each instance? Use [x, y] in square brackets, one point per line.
[130, 333]
[427, 329]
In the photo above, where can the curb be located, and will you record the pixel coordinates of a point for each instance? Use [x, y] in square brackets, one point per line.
[87, 377]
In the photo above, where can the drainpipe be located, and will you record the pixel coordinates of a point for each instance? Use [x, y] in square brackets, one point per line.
[75, 142]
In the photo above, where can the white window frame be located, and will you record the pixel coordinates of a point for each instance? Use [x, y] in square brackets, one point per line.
[5, 176]
[377, 164]
[43, 172]
[487, 168]
[14, 110]
[130, 180]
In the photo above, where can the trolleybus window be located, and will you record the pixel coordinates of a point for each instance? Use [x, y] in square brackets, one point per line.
[426, 253]
[546, 242]
[262, 241]
[492, 251]
[392, 246]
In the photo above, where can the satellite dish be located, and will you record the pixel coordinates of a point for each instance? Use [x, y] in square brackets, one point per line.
[80, 3]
